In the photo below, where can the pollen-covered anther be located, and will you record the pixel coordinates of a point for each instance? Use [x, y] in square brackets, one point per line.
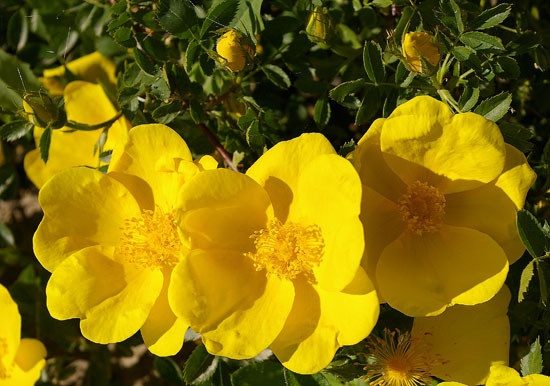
[151, 240]
[422, 208]
[288, 250]
[5, 369]
[397, 359]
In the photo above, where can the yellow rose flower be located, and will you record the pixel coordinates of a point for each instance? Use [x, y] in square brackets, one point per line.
[234, 50]
[440, 196]
[459, 345]
[111, 240]
[94, 68]
[276, 259]
[21, 360]
[501, 375]
[85, 103]
[420, 52]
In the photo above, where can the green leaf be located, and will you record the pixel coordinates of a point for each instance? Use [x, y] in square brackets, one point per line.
[260, 373]
[542, 58]
[340, 92]
[517, 135]
[18, 30]
[526, 276]
[176, 16]
[372, 61]
[506, 67]
[16, 78]
[220, 15]
[451, 16]
[45, 141]
[197, 112]
[531, 363]
[531, 233]
[480, 41]
[276, 75]
[6, 236]
[404, 21]
[254, 137]
[125, 37]
[144, 62]
[14, 130]
[321, 112]
[495, 107]
[491, 17]
[190, 55]
[168, 370]
[544, 278]
[468, 56]
[469, 96]
[198, 363]
[248, 17]
[369, 106]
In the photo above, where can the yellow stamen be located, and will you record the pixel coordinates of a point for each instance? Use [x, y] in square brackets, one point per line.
[288, 250]
[422, 208]
[151, 240]
[396, 360]
[5, 369]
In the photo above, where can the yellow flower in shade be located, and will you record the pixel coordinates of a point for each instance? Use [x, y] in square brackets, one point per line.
[94, 68]
[234, 50]
[112, 240]
[420, 51]
[459, 345]
[21, 360]
[501, 375]
[276, 257]
[85, 103]
[440, 196]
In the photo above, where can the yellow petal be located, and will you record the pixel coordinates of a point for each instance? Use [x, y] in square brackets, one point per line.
[489, 210]
[152, 154]
[382, 225]
[85, 103]
[93, 67]
[68, 198]
[517, 176]
[228, 302]
[29, 353]
[453, 336]
[328, 194]
[422, 275]
[163, 332]
[10, 325]
[464, 149]
[24, 378]
[112, 300]
[222, 209]
[504, 376]
[321, 321]
[371, 166]
[278, 170]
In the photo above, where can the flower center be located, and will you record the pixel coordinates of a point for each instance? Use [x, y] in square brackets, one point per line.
[5, 370]
[151, 240]
[288, 250]
[422, 208]
[396, 360]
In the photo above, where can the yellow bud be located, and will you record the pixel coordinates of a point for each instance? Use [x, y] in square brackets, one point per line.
[234, 50]
[420, 51]
[319, 26]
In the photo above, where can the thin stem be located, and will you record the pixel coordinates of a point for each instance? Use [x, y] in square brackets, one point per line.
[218, 146]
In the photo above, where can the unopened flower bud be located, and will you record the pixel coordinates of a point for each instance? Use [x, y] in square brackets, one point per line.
[319, 27]
[235, 50]
[420, 51]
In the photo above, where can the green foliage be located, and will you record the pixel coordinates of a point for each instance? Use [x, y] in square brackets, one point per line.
[531, 363]
[494, 62]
